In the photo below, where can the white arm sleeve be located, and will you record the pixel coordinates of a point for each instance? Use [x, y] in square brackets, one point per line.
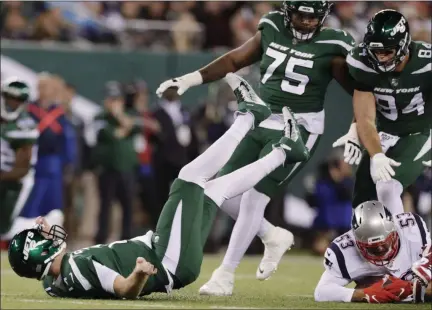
[106, 277]
[332, 288]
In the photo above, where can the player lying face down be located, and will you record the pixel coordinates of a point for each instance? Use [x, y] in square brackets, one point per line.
[388, 257]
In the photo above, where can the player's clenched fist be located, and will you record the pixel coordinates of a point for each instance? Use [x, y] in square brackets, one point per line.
[144, 267]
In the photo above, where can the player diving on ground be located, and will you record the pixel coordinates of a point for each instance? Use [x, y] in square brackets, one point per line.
[389, 257]
[171, 257]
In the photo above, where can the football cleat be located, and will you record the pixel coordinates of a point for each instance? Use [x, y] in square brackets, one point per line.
[248, 100]
[292, 143]
[278, 242]
[221, 283]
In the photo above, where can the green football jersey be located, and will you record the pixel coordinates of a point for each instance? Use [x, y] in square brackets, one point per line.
[403, 99]
[294, 73]
[14, 135]
[80, 277]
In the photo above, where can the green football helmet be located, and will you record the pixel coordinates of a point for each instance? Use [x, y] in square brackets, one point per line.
[14, 95]
[318, 9]
[387, 31]
[32, 251]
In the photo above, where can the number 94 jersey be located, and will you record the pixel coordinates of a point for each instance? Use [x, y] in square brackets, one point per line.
[343, 259]
[403, 99]
[294, 73]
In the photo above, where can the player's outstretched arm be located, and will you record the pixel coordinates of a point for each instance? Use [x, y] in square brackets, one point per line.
[131, 287]
[243, 56]
[332, 288]
[365, 114]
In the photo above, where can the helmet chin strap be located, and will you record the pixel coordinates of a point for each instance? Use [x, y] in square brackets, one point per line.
[50, 260]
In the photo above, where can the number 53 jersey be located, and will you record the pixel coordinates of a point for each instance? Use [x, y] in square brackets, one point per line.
[343, 259]
[403, 99]
[295, 73]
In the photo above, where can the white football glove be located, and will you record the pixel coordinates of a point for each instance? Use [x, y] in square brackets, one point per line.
[427, 163]
[381, 167]
[183, 83]
[351, 142]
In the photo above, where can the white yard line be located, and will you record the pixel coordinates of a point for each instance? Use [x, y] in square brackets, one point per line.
[136, 304]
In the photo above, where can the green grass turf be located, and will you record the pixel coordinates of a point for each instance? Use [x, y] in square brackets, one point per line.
[290, 288]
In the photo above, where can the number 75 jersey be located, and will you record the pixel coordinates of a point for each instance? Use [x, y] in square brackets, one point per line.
[343, 259]
[295, 73]
[403, 99]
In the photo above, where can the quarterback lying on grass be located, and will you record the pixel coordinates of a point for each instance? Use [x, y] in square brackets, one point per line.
[171, 257]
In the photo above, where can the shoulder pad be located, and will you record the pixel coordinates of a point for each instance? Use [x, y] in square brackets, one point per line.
[421, 54]
[273, 20]
[412, 227]
[358, 64]
[336, 256]
[338, 37]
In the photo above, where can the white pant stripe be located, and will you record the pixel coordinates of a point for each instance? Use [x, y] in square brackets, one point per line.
[172, 254]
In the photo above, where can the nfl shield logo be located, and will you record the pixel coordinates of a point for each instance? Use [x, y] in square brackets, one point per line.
[394, 82]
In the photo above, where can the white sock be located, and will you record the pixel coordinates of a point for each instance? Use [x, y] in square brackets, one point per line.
[243, 179]
[232, 208]
[251, 214]
[217, 155]
[389, 193]
[253, 203]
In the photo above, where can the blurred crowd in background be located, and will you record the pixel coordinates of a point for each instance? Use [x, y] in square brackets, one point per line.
[177, 25]
[117, 187]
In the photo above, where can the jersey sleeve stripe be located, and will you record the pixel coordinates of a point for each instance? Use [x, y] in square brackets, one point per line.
[425, 69]
[358, 64]
[341, 260]
[337, 42]
[268, 21]
[82, 280]
[421, 228]
[23, 134]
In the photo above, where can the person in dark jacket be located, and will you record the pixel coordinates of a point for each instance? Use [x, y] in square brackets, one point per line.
[176, 144]
[332, 198]
[116, 161]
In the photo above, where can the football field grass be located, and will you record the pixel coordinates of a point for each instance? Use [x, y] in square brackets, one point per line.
[290, 288]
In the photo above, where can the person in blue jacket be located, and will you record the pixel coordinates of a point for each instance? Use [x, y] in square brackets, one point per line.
[57, 148]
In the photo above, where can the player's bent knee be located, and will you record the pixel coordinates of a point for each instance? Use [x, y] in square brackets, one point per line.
[189, 174]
